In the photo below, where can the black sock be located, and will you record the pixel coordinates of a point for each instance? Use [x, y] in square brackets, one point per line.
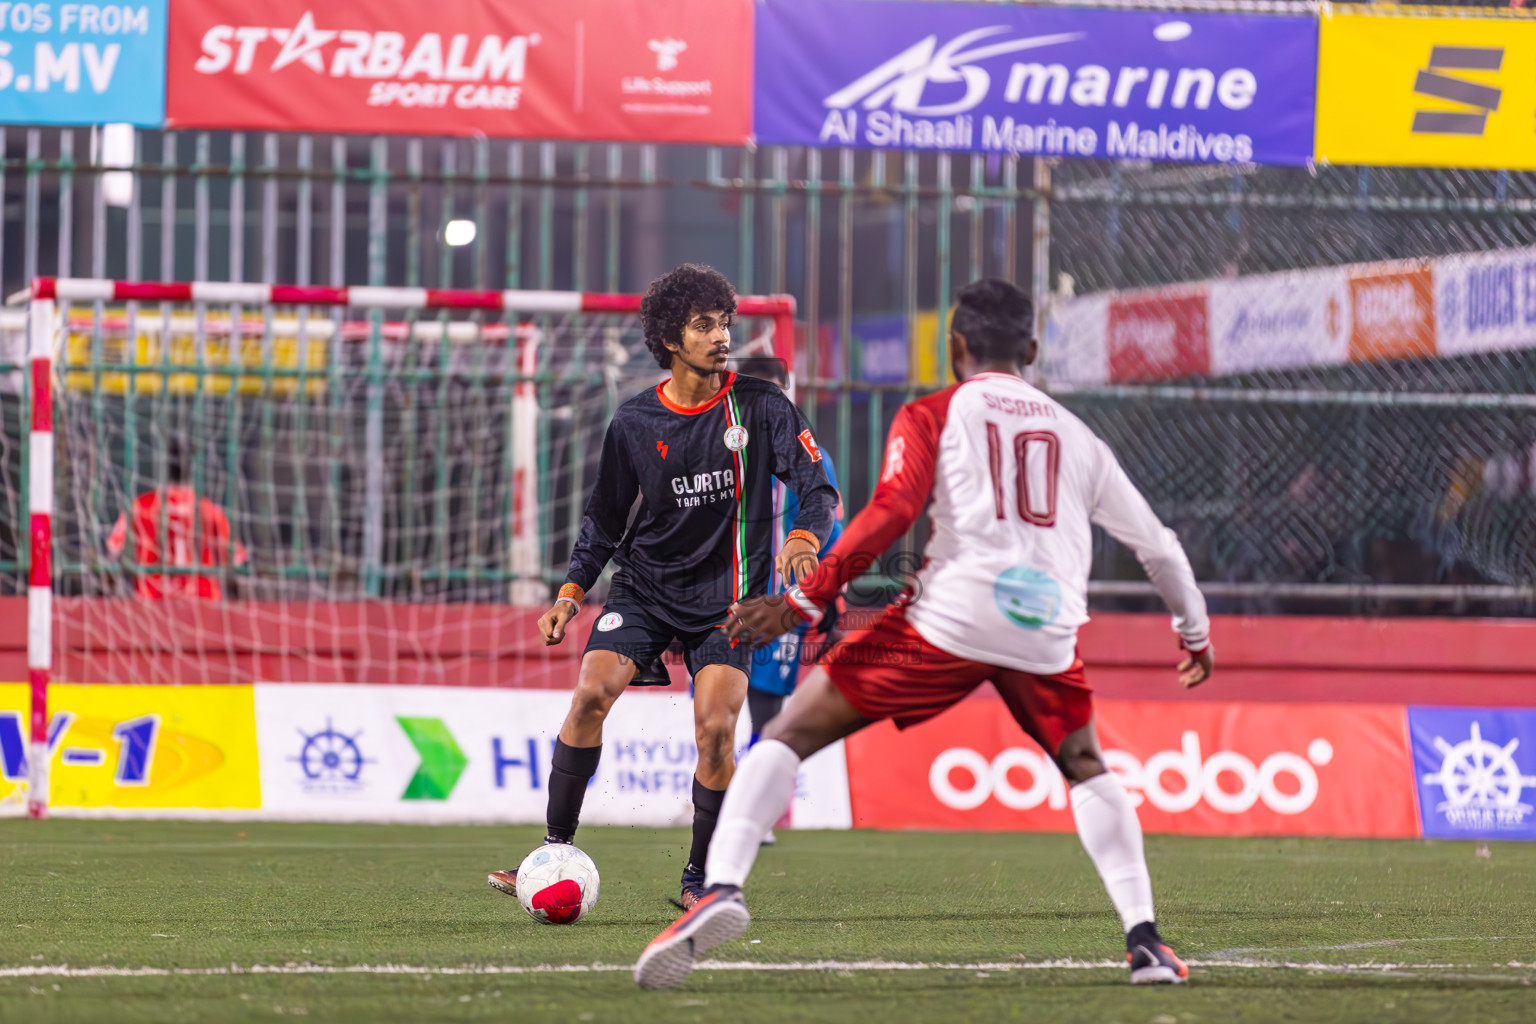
[762, 707]
[571, 768]
[706, 811]
[1143, 934]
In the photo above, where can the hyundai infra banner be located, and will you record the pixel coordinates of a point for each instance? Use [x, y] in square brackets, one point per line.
[654, 71]
[1046, 81]
[82, 63]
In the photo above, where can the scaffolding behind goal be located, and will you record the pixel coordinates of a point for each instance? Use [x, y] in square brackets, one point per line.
[230, 482]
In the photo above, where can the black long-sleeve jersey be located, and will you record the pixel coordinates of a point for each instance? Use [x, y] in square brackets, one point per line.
[702, 537]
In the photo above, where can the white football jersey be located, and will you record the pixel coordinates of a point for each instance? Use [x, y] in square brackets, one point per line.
[1016, 482]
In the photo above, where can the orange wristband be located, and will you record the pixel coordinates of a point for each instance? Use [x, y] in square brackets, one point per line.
[805, 535]
[571, 592]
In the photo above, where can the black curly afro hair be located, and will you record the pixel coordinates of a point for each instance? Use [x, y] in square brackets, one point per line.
[674, 297]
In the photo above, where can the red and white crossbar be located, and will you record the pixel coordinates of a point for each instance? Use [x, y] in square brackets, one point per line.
[40, 331]
[81, 289]
[780, 308]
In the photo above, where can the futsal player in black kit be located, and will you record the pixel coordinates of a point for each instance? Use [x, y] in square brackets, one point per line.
[700, 450]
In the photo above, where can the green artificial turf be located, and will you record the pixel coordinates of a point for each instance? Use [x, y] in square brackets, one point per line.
[1458, 929]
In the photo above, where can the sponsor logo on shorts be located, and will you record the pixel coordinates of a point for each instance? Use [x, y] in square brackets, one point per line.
[613, 620]
[1027, 597]
[736, 438]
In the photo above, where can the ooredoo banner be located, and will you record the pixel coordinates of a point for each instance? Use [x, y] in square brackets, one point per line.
[657, 71]
[1048, 81]
[1190, 767]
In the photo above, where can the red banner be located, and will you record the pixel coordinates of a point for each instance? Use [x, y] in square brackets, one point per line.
[1159, 336]
[1190, 767]
[617, 70]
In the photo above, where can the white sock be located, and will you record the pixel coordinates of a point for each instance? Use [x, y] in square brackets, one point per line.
[756, 798]
[1111, 833]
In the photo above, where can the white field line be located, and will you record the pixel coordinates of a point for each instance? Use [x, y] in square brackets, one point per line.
[812, 966]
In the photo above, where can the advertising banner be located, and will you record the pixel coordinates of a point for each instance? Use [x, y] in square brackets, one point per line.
[71, 63]
[1426, 91]
[659, 71]
[179, 748]
[1364, 312]
[1196, 768]
[1156, 335]
[1275, 321]
[1485, 301]
[1476, 771]
[1393, 312]
[421, 753]
[1047, 81]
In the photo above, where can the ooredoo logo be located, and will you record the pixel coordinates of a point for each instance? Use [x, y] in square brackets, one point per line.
[1228, 781]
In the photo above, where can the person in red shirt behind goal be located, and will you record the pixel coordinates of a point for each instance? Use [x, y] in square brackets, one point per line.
[1015, 482]
[188, 521]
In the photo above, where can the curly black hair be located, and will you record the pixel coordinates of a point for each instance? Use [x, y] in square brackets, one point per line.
[674, 297]
[997, 320]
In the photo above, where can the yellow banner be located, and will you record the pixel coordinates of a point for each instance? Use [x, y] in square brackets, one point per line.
[138, 746]
[1427, 91]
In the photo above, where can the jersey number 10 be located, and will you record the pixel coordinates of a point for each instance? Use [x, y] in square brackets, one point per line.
[1037, 458]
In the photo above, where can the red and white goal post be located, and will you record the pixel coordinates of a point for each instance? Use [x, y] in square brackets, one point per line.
[62, 308]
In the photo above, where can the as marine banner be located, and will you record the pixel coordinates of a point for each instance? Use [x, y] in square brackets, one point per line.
[1046, 81]
[653, 71]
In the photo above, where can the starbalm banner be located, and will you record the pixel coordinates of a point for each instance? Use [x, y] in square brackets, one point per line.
[619, 70]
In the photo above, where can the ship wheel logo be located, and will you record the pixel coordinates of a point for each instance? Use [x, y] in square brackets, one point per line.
[1479, 775]
[331, 756]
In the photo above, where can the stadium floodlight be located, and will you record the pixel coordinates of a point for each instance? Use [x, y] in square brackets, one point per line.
[459, 232]
[117, 151]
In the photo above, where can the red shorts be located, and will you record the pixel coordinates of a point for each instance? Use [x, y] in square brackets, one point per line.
[890, 671]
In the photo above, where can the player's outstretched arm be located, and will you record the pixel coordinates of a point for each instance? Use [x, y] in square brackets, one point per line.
[1123, 511]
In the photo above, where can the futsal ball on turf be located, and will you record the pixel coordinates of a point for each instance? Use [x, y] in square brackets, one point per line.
[557, 884]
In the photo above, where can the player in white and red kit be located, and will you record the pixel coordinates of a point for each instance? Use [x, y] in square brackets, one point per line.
[1015, 482]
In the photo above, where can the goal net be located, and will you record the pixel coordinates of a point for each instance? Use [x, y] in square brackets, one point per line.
[258, 482]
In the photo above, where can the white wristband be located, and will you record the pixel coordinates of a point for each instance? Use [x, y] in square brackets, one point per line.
[570, 602]
[804, 605]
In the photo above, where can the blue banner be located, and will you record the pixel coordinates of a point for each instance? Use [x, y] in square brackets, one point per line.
[1036, 81]
[78, 63]
[1475, 769]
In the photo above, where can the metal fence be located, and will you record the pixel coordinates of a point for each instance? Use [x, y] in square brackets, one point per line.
[859, 237]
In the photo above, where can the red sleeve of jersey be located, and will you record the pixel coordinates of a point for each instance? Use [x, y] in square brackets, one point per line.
[906, 483]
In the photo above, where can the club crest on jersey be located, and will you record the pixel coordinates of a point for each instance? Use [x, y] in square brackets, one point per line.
[1027, 597]
[809, 444]
[736, 437]
[613, 620]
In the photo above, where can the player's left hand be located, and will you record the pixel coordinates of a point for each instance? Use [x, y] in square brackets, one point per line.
[1197, 668]
[759, 619]
[797, 560]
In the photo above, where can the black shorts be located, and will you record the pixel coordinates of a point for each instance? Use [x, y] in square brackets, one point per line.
[627, 628]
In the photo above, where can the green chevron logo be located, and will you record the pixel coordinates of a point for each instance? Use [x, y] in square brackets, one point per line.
[442, 762]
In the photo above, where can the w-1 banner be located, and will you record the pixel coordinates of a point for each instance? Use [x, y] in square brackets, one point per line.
[658, 71]
[1041, 81]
